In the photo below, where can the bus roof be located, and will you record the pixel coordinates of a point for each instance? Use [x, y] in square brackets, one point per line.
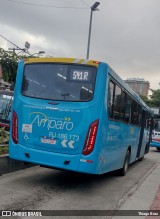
[63, 60]
[127, 88]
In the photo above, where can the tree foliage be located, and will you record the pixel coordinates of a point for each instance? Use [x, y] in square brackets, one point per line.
[154, 100]
[145, 99]
[9, 62]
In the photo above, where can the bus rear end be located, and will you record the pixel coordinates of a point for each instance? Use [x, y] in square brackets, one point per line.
[55, 115]
[155, 142]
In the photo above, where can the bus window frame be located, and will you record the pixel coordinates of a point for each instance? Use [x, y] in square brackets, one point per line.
[139, 105]
[60, 63]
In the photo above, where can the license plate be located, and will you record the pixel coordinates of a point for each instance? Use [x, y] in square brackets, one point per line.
[48, 141]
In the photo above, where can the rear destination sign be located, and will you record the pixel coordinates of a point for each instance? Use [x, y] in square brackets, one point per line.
[80, 75]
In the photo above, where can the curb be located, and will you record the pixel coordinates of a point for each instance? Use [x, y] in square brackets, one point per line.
[143, 197]
[8, 165]
[133, 189]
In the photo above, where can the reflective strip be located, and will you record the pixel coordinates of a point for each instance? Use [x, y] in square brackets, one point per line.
[76, 61]
[85, 61]
[86, 161]
[61, 60]
[155, 139]
[82, 160]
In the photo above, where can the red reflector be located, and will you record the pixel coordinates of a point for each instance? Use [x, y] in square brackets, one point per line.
[89, 161]
[91, 138]
[96, 62]
[15, 127]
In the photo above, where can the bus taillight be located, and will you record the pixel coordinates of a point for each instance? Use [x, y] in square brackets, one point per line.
[91, 138]
[15, 127]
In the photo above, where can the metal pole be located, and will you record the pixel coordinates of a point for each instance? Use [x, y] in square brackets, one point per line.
[14, 52]
[89, 34]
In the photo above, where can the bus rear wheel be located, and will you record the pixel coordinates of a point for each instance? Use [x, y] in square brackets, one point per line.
[158, 149]
[124, 169]
[142, 158]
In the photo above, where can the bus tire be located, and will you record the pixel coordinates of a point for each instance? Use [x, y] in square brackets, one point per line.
[158, 149]
[142, 158]
[147, 148]
[124, 169]
[145, 152]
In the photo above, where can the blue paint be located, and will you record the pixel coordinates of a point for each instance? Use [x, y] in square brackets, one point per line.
[54, 133]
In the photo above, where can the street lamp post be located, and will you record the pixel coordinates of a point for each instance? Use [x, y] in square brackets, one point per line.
[93, 8]
[27, 46]
[38, 53]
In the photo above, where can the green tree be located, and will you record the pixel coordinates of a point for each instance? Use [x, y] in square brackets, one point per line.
[145, 99]
[155, 98]
[9, 62]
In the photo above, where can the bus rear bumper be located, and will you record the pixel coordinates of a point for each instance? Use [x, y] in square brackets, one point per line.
[78, 162]
[155, 144]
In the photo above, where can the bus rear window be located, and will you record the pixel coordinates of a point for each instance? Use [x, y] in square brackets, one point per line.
[59, 81]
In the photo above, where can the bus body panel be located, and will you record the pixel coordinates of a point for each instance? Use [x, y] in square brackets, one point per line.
[53, 133]
[119, 136]
[57, 130]
[76, 162]
[115, 147]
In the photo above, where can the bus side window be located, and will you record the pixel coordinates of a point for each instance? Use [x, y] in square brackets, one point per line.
[117, 103]
[148, 121]
[110, 98]
[156, 124]
[139, 121]
[125, 107]
[134, 113]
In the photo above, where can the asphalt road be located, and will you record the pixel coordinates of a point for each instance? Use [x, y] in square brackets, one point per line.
[39, 188]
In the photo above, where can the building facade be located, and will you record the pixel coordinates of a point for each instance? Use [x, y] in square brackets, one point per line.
[139, 85]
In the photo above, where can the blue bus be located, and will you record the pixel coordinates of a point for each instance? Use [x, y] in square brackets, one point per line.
[77, 115]
[155, 142]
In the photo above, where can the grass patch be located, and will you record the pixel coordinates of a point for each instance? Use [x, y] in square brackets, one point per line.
[4, 136]
[4, 139]
[4, 150]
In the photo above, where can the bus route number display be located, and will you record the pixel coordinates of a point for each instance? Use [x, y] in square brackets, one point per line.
[80, 75]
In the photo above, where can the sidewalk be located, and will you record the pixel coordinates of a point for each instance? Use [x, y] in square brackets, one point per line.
[145, 197]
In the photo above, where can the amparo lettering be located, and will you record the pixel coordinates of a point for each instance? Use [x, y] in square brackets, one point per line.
[42, 121]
